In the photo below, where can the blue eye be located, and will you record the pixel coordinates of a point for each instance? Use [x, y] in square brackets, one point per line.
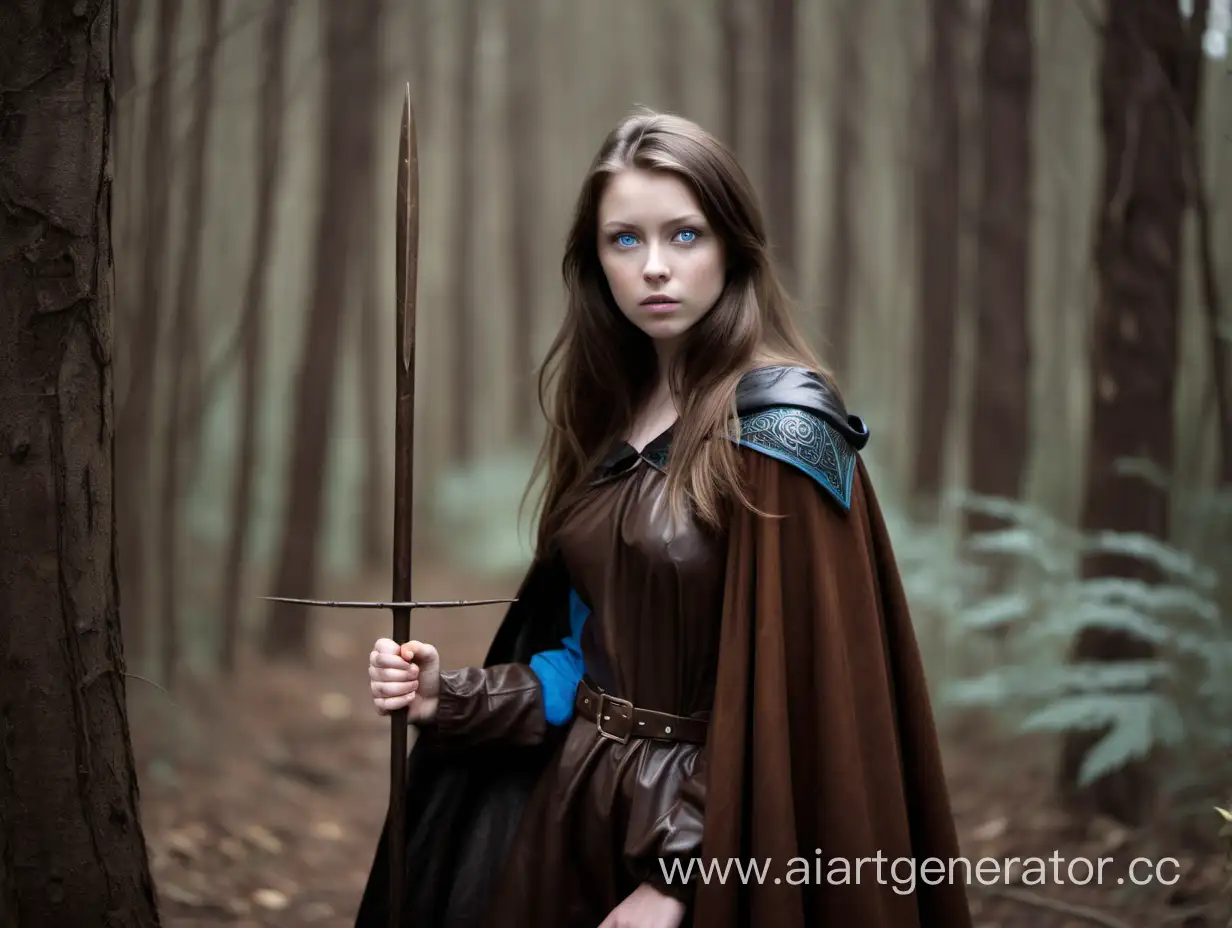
[626, 239]
[687, 235]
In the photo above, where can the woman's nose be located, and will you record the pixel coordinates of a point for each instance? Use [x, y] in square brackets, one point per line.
[655, 268]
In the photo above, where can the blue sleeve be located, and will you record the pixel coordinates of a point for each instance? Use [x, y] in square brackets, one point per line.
[560, 670]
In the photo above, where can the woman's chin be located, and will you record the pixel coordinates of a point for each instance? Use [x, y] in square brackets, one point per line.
[665, 329]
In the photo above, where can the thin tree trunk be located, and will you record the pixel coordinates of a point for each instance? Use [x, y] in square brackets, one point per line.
[463, 296]
[999, 414]
[1134, 352]
[269, 155]
[374, 531]
[939, 194]
[374, 534]
[780, 152]
[732, 57]
[525, 165]
[421, 65]
[72, 852]
[672, 57]
[136, 414]
[352, 44]
[849, 93]
[1191, 109]
[183, 334]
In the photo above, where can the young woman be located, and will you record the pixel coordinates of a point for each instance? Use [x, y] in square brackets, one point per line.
[711, 661]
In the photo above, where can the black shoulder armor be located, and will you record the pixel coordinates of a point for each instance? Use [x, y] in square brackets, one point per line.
[793, 415]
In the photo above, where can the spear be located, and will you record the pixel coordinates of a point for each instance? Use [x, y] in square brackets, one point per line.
[406, 280]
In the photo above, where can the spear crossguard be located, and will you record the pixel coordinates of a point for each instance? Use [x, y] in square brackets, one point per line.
[406, 280]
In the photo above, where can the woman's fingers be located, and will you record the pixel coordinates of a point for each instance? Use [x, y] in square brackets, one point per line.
[388, 661]
[393, 689]
[391, 675]
[392, 704]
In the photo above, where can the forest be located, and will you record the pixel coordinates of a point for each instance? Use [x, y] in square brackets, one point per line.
[1007, 229]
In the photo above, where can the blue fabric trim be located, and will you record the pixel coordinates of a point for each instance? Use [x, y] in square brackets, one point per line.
[560, 670]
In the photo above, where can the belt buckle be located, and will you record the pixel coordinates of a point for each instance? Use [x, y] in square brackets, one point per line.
[600, 715]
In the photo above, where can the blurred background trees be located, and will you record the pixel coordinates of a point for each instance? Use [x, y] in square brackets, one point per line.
[1006, 224]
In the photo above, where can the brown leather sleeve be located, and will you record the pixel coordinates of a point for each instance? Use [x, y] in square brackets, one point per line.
[502, 703]
[674, 838]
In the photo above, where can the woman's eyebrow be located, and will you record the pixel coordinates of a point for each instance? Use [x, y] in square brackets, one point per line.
[692, 218]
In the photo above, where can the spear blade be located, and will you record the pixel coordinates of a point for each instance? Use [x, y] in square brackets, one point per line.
[406, 282]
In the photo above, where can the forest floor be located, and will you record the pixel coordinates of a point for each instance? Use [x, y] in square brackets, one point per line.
[262, 798]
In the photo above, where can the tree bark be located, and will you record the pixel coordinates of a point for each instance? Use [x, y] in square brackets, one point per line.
[846, 135]
[939, 193]
[780, 155]
[72, 852]
[1134, 349]
[999, 413]
[352, 45]
[272, 105]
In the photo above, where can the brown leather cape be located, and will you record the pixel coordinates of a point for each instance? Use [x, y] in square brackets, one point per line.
[823, 759]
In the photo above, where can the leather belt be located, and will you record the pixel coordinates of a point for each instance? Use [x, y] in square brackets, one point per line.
[619, 720]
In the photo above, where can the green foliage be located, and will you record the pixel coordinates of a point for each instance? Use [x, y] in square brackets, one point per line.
[1179, 701]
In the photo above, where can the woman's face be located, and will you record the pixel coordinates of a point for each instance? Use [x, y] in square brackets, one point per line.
[664, 264]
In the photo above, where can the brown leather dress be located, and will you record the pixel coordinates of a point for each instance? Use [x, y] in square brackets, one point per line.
[792, 630]
[606, 813]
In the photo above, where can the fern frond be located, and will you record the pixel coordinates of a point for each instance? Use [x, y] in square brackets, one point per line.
[1149, 597]
[1022, 544]
[1153, 551]
[1071, 621]
[1137, 731]
[1094, 711]
[995, 612]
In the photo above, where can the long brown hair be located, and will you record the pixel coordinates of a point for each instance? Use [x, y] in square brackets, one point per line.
[601, 368]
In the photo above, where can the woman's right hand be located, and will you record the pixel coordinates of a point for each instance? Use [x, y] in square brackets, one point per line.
[409, 675]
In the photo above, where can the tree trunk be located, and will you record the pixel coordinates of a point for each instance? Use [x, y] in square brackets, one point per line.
[72, 852]
[376, 513]
[463, 219]
[272, 102]
[848, 90]
[1208, 271]
[780, 140]
[183, 335]
[352, 43]
[1134, 347]
[672, 56]
[376, 521]
[421, 63]
[999, 413]
[136, 412]
[731, 37]
[526, 160]
[939, 194]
